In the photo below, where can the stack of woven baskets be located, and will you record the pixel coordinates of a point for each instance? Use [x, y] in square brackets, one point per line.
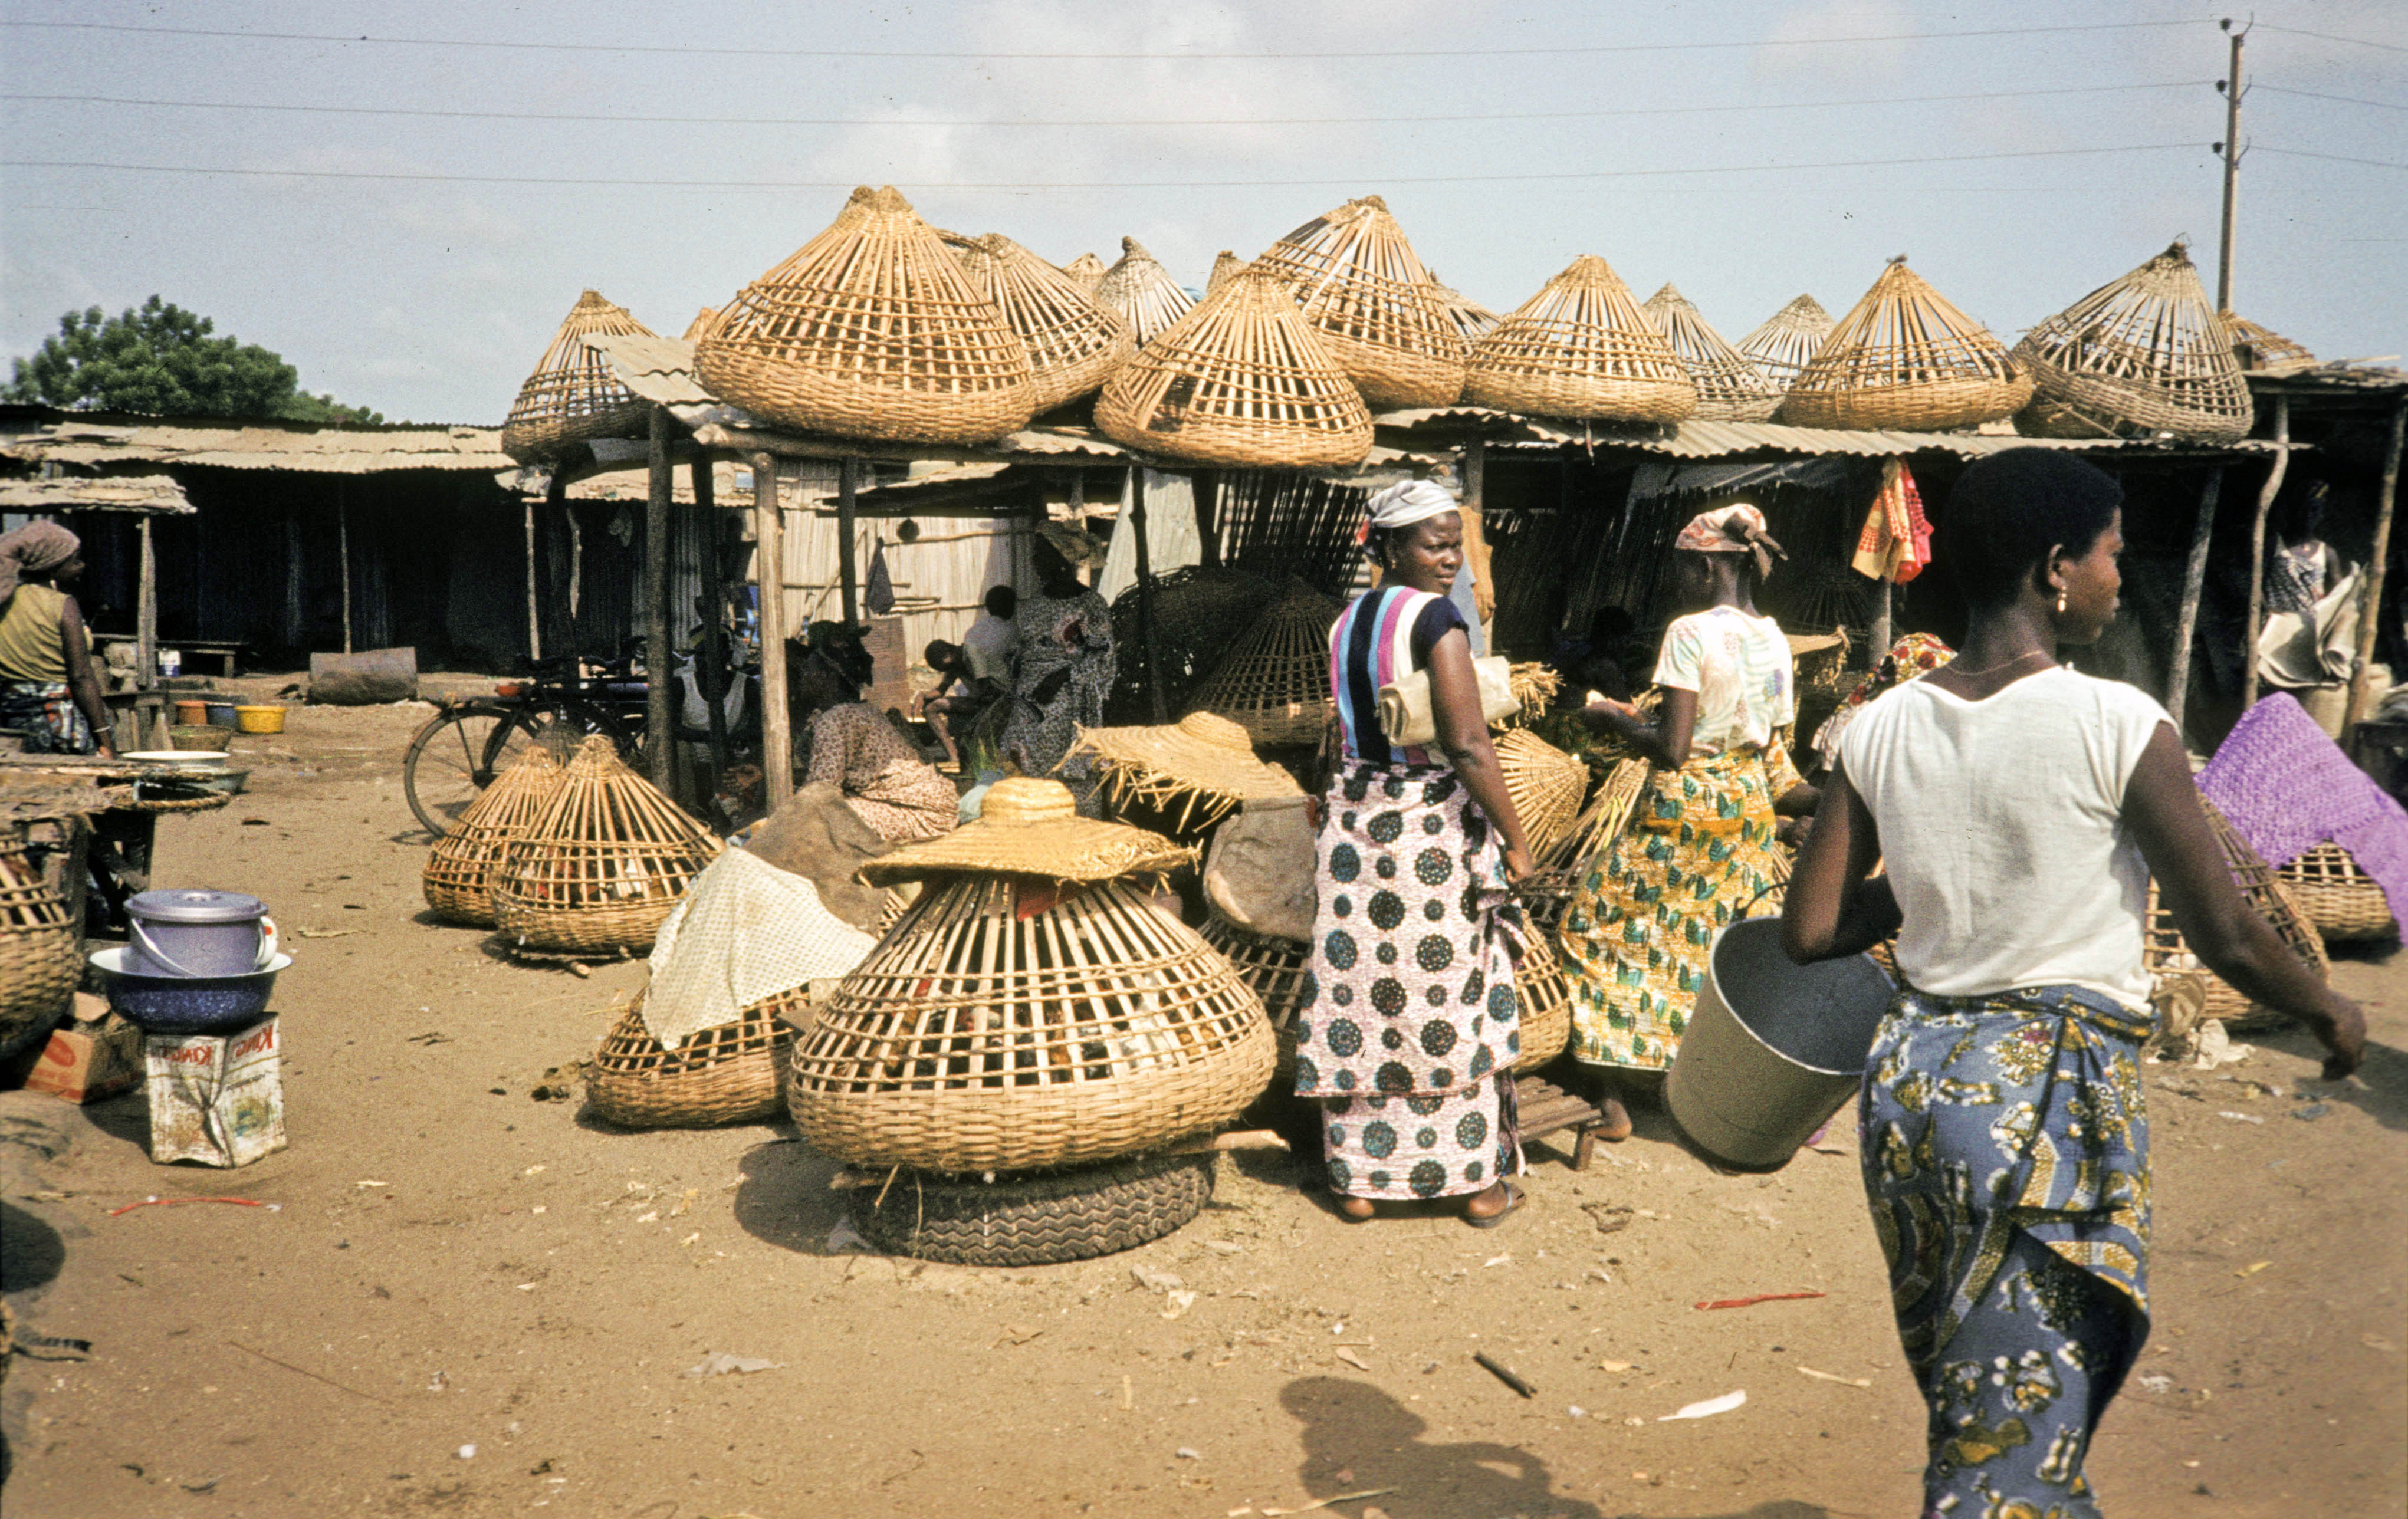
[2147, 355]
[1274, 680]
[1904, 358]
[459, 875]
[599, 867]
[41, 947]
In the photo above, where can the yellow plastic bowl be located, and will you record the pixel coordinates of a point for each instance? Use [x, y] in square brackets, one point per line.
[259, 719]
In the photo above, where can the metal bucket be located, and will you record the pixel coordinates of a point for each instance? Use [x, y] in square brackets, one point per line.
[198, 934]
[1773, 1049]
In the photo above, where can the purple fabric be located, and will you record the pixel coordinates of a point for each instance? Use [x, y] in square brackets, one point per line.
[2286, 787]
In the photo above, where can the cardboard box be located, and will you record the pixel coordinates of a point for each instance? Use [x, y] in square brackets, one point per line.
[218, 1099]
[89, 1061]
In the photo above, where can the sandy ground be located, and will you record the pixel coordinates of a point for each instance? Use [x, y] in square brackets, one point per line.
[470, 1302]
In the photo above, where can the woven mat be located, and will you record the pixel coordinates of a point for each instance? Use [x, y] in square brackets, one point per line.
[745, 931]
[2287, 787]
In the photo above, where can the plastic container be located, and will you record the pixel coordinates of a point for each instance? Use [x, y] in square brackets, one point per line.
[221, 714]
[259, 719]
[185, 1004]
[192, 713]
[202, 934]
[1773, 1049]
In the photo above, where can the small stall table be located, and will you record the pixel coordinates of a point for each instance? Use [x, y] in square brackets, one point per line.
[86, 810]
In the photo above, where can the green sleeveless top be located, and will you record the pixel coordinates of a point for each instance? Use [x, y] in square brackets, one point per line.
[32, 647]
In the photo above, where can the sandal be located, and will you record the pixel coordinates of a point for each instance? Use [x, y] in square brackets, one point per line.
[1514, 1200]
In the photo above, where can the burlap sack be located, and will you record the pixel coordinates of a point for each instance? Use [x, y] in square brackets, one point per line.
[818, 835]
[1258, 873]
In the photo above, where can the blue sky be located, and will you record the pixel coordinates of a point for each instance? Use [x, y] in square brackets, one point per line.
[371, 246]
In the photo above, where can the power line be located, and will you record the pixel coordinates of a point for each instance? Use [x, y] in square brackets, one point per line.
[2328, 37]
[690, 50]
[1133, 122]
[2346, 100]
[1105, 184]
[2330, 158]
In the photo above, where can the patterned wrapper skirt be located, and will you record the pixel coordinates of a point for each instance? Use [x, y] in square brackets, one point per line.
[1409, 1018]
[2005, 1148]
[1695, 855]
[46, 713]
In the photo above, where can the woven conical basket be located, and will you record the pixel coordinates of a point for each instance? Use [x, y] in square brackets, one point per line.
[1904, 358]
[1546, 785]
[2337, 895]
[1580, 348]
[1274, 681]
[41, 944]
[1546, 995]
[2163, 950]
[1377, 309]
[725, 1074]
[1730, 388]
[871, 330]
[1241, 382]
[2256, 347]
[458, 878]
[1472, 319]
[602, 864]
[2144, 355]
[1008, 1023]
[1227, 264]
[573, 395]
[1072, 342]
[1086, 271]
[699, 327]
[1787, 341]
[1143, 293]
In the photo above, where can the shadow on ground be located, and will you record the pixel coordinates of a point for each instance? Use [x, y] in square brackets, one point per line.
[784, 1198]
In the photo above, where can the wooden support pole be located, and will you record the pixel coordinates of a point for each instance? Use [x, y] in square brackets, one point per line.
[296, 629]
[146, 612]
[847, 480]
[343, 546]
[1475, 534]
[2266, 494]
[2369, 606]
[2194, 583]
[1206, 483]
[1153, 682]
[770, 578]
[1877, 633]
[659, 662]
[534, 604]
[714, 677]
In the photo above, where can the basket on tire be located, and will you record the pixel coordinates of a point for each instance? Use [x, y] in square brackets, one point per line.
[1274, 680]
[724, 1075]
[573, 395]
[2333, 894]
[2163, 948]
[1580, 348]
[1032, 1009]
[603, 863]
[41, 946]
[1904, 358]
[458, 878]
[1034, 1220]
[1376, 309]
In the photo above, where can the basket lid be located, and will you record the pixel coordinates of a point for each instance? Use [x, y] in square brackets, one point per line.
[194, 905]
[1029, 826]
[1202, 752]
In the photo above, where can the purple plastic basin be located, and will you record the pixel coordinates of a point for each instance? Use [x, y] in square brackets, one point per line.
[187, 932]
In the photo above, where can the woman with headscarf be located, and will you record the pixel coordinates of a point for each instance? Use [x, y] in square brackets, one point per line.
[855, 747]
[1409, 1021]
[1696, 851]
[2020, 809]
[1062, 665]
[48, 689]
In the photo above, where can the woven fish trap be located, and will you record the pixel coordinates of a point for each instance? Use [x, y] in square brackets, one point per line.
[1141, 292]
[572, 396]
[1546, 785]
[1274, 681]
[1195, 771]
[1072, 342]
[1005, 1025]
[1225, 264]
[1563, 870]
[1546, 997]
[1903, 358]
[2256, 347]
[2163, 950]
[1580, 348]
[699, 328]
[1787, 341]
[1730, 388]
[1086, 271]
[1241, 381]
[1472, 319]
[458, 878]
[41, 944]
[1820, 663]
[1198, 611]
[602, 864]
[2341, 900]
[2145, 355]
[725, 1074]
[1380, 313]
[871, 330]
[1275, 970]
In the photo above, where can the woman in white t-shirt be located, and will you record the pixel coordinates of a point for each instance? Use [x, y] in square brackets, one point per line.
[2018, 809]
[1696, 851]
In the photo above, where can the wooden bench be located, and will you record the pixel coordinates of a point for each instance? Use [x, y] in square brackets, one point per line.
[1542, 1108]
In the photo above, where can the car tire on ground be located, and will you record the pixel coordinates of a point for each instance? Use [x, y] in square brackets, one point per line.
[1035, 1220]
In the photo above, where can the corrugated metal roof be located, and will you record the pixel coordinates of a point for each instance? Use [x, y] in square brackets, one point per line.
[242, 445]
[659, 369]
[1721, 439]
[155, 494]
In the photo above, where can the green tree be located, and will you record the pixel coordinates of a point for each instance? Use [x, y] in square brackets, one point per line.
[165, 361]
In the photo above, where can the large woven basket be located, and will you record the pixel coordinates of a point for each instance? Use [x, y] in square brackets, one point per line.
[2257, 348]
[1903, 358]
[724, 1075]
[1546, 995]
[1546, 785]
[2147, 355]
[1072, 342]
[1239, 381]
[1787, 341]
[572, 396]
[871, 330]
[1008, 1023]
[1224, 265]
[1141, 292]
[1580, 348]
[1086, 271]
[601, 867]
[1730, 388]
[1198, 610]
[2340, 898]
[2163, 950]
[1380, 313]
[41, 945]
[1274, 681]
[458, 878]
[1472, 319]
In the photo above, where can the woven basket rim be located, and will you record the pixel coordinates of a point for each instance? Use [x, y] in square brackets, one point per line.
[1029, 826]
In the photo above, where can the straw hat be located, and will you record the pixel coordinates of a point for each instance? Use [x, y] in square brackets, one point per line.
[1072, 342]
[573, 395]
[1203, 761]
[1788, 339]
[1730, 388]
[1227, 264]
[1364, 292]
[1031, 827]
[1142, 293]
[1580, 348]
[1904, 358]
[1086, 271]
[2144, 354]
[871, 330]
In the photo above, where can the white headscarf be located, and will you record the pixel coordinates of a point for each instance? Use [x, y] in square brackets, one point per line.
[1414, 501]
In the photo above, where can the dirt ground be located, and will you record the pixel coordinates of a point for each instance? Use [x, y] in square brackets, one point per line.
[466, 1302]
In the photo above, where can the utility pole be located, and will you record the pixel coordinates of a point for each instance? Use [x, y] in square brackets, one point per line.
[2231, 147]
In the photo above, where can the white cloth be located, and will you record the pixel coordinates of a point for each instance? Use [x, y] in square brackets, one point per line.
[2001, 824]
[1740, 667]
[1414, 501]
[987, 648]
[745, 933]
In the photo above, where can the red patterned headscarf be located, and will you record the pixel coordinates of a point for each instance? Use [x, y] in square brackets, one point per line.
[1733, 529]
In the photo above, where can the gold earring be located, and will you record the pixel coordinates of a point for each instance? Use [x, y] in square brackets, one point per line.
[2060, 601]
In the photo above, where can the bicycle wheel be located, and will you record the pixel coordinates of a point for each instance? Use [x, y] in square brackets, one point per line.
[456, 755]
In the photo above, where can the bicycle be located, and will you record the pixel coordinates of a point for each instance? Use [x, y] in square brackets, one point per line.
[468, 741]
